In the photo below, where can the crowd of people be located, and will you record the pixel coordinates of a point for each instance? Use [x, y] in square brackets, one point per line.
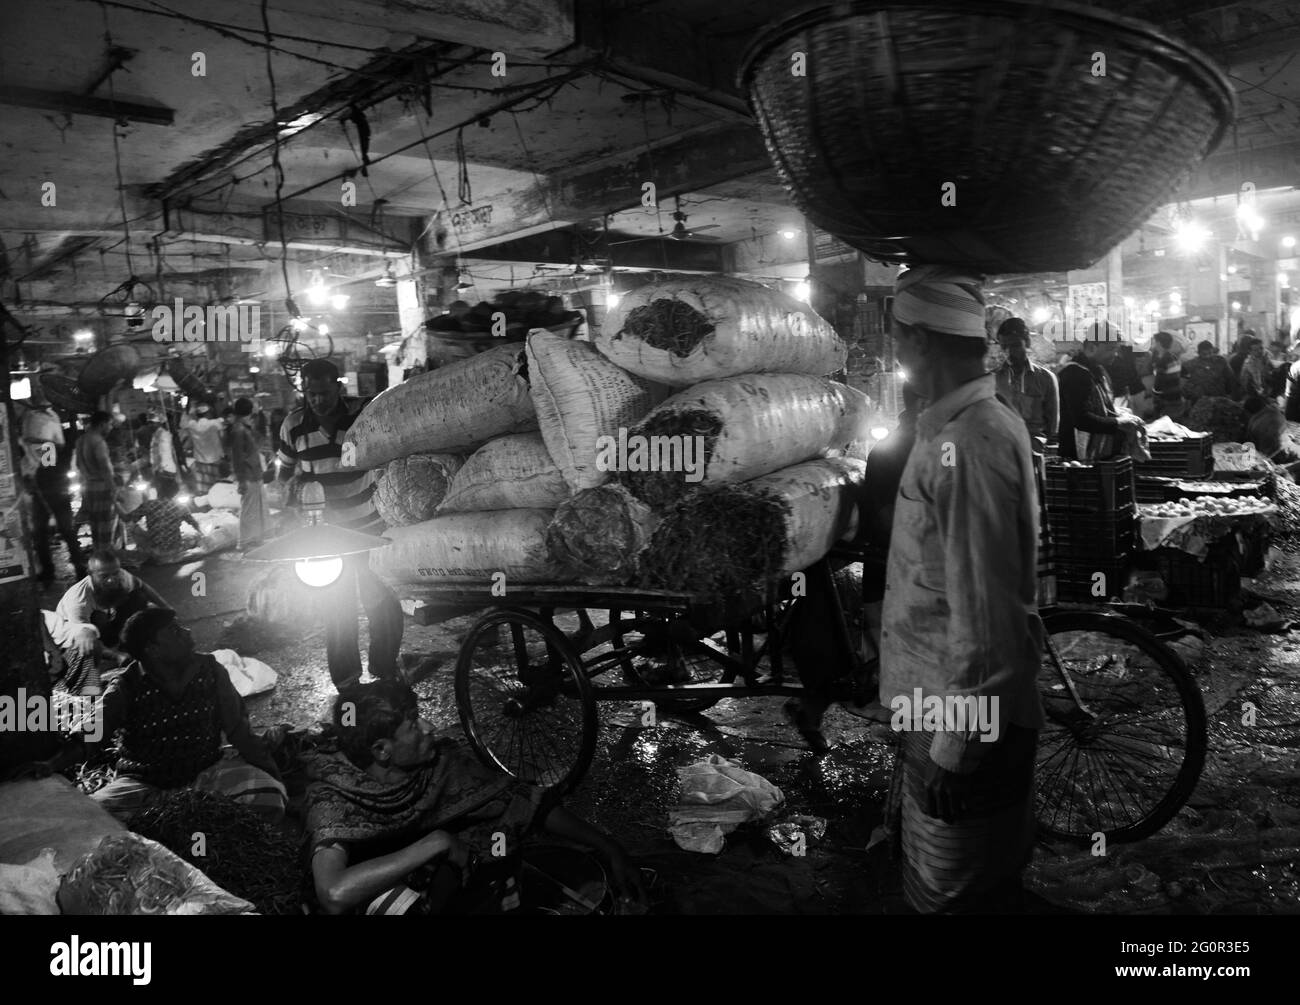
[137, 479]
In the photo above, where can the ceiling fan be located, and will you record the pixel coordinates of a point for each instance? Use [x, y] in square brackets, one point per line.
[680, 232]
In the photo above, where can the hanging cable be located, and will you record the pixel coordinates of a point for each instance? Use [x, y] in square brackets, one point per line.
[290, 306]
[117, 152]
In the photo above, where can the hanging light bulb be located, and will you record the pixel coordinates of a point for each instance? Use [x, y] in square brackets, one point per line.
[318, 294]
[339, 301]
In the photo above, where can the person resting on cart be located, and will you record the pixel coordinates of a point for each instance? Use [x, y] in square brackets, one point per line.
[399, 816]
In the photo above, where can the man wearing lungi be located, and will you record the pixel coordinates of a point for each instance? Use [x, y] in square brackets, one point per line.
[960, 618]
[98, 487]
[173, 706]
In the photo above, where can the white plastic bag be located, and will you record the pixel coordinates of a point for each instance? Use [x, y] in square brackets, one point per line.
[249, 676]
[718, 795]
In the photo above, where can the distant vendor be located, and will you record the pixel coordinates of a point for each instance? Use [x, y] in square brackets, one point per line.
[88, 622]
[1030, 389]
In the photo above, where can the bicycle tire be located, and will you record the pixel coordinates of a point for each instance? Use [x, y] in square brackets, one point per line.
[1163, 661]
[477, 705]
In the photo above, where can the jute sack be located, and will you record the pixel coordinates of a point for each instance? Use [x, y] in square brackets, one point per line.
[744, 427]
[601, 534]
[455, 409]
[684, 331]
[581, 396]
[470, 548]
[510, 472]
[732, 538]
[412, 488]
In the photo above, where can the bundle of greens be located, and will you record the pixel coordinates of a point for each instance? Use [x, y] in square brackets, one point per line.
[238, 850]
[1222, 418]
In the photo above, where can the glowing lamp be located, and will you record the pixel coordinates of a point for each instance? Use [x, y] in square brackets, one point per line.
[339, 301]
[879, 433]
[318, 549]
[1041, 315]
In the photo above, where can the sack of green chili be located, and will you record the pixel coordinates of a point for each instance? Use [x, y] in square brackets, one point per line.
[684, 331]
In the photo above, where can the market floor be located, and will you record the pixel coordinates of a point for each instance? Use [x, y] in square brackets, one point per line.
[1234, 849]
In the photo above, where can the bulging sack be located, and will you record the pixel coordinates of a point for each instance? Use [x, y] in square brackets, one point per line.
[510, 472]
[736, 429]
[455, 409]
[470, 548]
[580, 396]
[700, 328]
[411, 488]
[729, 539]
[601, 534]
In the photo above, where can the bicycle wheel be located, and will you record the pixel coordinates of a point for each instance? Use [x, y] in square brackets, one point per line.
[524, 702]
[655, 657]
[1126, 735]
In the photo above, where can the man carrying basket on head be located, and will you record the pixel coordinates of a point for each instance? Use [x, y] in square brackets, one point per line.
[960, 626]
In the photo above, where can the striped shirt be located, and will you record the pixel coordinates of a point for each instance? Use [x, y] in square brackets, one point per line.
[317, 456]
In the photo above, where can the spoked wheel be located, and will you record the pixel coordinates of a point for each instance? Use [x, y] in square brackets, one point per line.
[662, 654]
[524, 701]
[1126, 735]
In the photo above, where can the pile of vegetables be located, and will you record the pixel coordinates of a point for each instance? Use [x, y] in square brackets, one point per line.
[244, 854]
[1210, 506]
[1222, 418]
[128, 873]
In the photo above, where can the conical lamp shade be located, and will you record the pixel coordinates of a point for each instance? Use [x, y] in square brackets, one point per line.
[321, 541]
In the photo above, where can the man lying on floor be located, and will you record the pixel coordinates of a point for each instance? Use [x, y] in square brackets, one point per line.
[398, 815]
[172, 705]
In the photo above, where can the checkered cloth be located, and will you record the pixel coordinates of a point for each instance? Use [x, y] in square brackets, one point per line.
[97, 511]
[205, 476]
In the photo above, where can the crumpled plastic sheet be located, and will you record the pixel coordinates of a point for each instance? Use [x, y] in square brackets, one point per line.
[718, 795]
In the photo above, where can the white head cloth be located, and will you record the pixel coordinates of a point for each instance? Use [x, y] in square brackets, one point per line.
[941, 299]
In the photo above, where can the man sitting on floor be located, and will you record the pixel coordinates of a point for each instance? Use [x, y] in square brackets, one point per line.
[173, 705]
[382, 811]
[162, 515]
[88, 622]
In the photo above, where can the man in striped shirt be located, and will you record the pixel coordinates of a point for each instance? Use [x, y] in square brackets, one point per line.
[311, 449]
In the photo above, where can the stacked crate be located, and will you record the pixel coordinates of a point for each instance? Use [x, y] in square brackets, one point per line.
[1092, 518]
[1046, 564]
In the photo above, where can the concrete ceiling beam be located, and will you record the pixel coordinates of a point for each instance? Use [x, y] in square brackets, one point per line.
[69, 103]
[662, 53]
[531, 28]
[681, 165]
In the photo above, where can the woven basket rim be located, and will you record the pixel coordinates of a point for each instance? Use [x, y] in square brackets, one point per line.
[1210, 78]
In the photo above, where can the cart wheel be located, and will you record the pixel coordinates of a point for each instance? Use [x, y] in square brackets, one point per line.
[656, 659]
[524, 701]
[1122, 758]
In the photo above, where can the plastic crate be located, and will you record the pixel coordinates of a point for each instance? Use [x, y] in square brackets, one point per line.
[1149, 489]
[1091, 582]
[1212, 584]
[1101, 487]
[1192, 457]
[1094, 537]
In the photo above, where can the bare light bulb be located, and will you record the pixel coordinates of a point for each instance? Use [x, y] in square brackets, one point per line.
[319, 572]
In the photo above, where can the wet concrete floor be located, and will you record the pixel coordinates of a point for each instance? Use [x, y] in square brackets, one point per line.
[1235, 848]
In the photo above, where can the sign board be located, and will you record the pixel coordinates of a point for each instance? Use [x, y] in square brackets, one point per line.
[242, 389]
[1084, 304]
[1198, 332]
[13, 556]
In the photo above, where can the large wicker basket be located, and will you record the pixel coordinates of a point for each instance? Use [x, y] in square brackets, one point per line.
[63, 393]
[1053, 166]
[108, 367]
